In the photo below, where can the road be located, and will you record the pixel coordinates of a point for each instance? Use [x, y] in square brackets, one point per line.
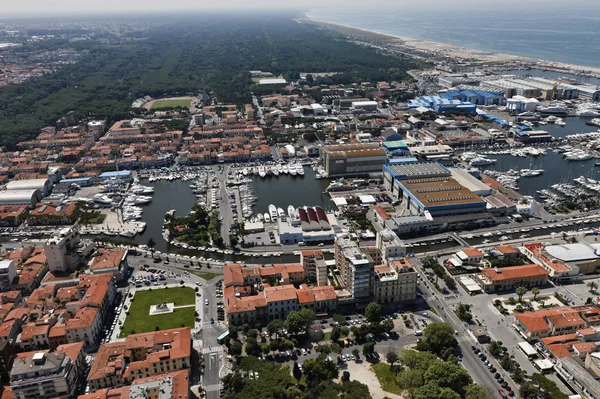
[480, 374]
[211, 351]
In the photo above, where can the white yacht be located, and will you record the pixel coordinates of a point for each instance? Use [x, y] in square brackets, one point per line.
[553, 109]
[267, 218]
[273, 211]
[262, 172]
[102, 199]
[560, 122]
[275, 171]
[128, 234]
[268, 170]
[300, 169]
[280, 169]
[291, 212]
[480, 161]
[280, 212]
[285, 169]
[292, 170]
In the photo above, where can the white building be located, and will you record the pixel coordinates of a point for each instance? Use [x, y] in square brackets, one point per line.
[62, 250]
[390, 245]
[43, 185]
[28, 197]
[8, 272]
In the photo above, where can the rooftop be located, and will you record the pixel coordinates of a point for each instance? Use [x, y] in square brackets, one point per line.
[417, 169]
[514, 272]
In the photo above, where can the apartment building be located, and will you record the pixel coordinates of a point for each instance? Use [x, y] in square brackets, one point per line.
[61, 250]
[509, 278]
[41, 375]
[315, 267]
[395, 282]
[356, 268]
[8, 273]
[556, 321]
[390, 245]
[140, 356]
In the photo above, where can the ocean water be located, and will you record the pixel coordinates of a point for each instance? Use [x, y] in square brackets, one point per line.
[558, 31]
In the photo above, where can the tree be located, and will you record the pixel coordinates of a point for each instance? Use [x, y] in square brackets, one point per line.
[336, 348]
[520, 291]
[475, 391]
[387, 325]
[433, 391]
[411, 380]
[448, 375]
[235, 349]
[535, 291]
[495, 348]
[593, 286]
[437, 338]
[391, 357]
[355, 352]
[296, 371]
[316, 333]
[233, 240]
[299, 321]
[252, 347]
[274, 326]
[345, 376]
[373, 312]
[233, 332]
[336, 333]
[417, 360]
[369, 347]
[245, 328]
[338, 318]
[464, 312]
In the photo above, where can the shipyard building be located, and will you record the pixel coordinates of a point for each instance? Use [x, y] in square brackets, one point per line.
[353, 159]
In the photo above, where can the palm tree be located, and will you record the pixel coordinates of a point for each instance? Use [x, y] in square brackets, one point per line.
[520, 291]
[535, 291]
[495, 348]
[593, 286]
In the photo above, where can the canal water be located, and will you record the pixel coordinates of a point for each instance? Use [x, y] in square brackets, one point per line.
[285, 190]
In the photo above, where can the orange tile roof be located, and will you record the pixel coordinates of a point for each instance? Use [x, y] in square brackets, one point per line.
[280, 293]
[72, 351]
[108, 259]
[560, 350]
[383, 214]
[472, 252]
[17, 314]
[32, 329]
[566, 320]
[507, 249]
[515, 272]
[6, 328]
[58, 330]
[315, 252]
[585, 347]
[84, 318]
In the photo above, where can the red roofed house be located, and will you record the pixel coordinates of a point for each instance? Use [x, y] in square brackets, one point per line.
[509, 278]
[470, 256]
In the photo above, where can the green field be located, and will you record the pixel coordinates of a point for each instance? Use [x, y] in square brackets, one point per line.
[139, 319]
[386, 378]
[161, 104]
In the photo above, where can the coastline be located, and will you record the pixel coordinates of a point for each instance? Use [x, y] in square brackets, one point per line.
[453, 51]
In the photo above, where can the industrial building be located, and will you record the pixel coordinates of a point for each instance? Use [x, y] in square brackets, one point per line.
[395, 148]
[368, 106]
[352, 159]
[409, 168]
[439, 196]
[441, 105]
[28, 197]
[477, 97]
[467, 180]
[124, 176]
[43, 185]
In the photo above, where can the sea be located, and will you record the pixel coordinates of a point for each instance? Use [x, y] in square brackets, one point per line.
[550, 30]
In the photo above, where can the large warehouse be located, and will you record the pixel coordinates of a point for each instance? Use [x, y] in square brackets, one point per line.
[352, 159]
[28, 197]
[44, 185]
[439, 196]
[409, 168]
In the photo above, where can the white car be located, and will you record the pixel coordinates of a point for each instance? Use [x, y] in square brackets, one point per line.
[206, 302]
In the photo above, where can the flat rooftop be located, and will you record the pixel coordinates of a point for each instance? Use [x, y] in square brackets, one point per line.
[440, 191]
[417, 169]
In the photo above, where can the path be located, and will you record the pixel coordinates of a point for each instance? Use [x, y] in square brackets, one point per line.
[362, 372]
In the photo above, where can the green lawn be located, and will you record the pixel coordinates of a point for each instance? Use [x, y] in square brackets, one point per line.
[171, 104]
[386, 378]
[139, 319]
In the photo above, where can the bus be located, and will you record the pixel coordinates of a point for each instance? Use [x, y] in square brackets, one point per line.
[528, 349]
[222, 337]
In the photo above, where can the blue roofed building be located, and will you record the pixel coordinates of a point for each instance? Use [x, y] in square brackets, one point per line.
[477, 97]
[121, 175]
[441, 105]
[395, 148]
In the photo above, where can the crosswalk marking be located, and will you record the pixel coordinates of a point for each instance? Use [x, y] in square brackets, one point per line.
[211, 349]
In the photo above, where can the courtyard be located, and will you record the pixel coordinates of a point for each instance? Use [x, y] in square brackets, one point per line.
[181, 311]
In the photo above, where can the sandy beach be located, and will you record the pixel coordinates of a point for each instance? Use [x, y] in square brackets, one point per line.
[437, 49]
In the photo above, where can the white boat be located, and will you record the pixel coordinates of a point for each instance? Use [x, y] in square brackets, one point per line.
[280, 212]
[594, 122]
[300, 169]
[127, 234]
[262, 172]
[259, 217]
[141, 227]
[267, 218]
[291, 212]
[109, 233]
[480, 161]
[273, 212]
[268, 170]
[245, 171]
[531, 172]
[552, 109]
[504, 238]
[280, 169]
[285, 169]
[560, 122]
[102, 199]
[292, 170]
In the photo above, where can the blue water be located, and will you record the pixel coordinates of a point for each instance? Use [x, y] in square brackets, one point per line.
[558, 31]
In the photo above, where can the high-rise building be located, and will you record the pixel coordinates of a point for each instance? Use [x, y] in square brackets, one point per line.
[390, 245]
[356, 268]
[62, 250]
